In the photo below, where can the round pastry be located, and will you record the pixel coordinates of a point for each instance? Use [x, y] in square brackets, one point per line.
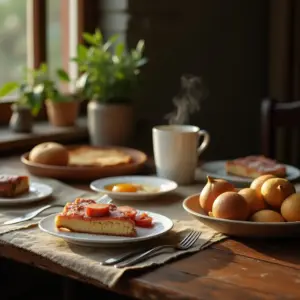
[50, 153]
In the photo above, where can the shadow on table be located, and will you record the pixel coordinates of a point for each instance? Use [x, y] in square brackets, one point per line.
[180, 271]
[19, 281]
[284, 251]
[163, 200]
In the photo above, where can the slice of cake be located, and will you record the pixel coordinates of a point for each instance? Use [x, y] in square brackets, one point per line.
[255, 166]
[86, 216]
[13, 185]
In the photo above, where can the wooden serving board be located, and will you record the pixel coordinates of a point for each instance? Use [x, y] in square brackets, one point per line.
[86, 173]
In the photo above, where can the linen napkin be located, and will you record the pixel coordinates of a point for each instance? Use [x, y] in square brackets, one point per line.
[86, 260]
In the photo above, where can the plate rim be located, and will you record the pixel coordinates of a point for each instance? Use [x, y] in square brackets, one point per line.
[112, 242]
[249, 223]
[241, 179]
[17, 200]
[119, 194]
[143, 158]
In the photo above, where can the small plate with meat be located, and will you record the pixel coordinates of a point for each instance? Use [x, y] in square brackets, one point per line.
[16, 190]
[244, 170]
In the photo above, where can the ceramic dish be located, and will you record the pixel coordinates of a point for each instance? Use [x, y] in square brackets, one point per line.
[241, 228]
[217, 169]
[87, 172]
[161, 226]
[159, 185]
[37, 192]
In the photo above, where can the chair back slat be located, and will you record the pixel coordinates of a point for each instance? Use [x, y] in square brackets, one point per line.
[280, 135]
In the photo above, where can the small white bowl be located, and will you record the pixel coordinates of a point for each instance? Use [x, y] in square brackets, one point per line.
[164, 186]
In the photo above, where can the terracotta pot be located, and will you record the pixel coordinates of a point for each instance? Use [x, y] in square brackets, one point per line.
[62, 113]
[109, 124]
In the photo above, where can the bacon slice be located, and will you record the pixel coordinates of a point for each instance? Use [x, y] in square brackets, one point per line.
[13, 185]
[255, 166]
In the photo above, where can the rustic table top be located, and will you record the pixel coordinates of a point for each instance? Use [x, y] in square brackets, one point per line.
[245, 269]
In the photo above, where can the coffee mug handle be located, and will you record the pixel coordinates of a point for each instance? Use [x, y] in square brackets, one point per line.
[205, 142]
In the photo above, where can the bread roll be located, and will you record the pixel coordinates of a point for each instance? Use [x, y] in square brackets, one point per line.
[50, 153]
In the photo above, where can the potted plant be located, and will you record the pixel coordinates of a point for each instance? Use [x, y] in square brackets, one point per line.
[30, 99]
[62, 109]
[108, 77]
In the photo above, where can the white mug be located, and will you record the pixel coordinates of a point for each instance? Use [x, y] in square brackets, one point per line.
[176, 151]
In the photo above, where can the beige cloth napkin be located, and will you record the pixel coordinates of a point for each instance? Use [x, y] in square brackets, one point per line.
[86, 260]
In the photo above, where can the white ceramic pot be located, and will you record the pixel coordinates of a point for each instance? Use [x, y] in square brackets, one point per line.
[109, 124]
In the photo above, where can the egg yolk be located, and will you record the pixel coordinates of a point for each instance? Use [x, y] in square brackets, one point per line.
[125, 188]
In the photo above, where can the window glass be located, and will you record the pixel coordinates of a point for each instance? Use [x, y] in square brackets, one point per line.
[13, 46]
[54, 51]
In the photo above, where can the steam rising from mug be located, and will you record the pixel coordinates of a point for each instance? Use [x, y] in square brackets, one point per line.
[188, 100]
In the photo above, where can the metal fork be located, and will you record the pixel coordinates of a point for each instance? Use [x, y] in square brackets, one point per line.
[187, 242]
[104, 199]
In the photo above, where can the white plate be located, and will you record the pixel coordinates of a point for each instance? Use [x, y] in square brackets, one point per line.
[217, 169]
[37, 192]
[164, 186]
[161, 226]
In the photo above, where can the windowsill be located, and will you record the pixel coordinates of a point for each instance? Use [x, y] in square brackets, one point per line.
[42, 132]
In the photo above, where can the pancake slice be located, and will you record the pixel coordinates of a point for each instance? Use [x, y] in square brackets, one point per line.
[255, 166]
[13, 185]
[88, 156]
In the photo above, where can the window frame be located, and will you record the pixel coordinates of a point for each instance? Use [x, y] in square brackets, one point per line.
[39, 38]
[87, 20]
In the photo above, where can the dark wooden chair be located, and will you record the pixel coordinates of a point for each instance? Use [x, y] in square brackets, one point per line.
[280, 124]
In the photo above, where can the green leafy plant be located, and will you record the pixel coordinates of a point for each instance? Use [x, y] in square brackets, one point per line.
[108, 71]
[29, 95]
[48, 86]
[35, 88]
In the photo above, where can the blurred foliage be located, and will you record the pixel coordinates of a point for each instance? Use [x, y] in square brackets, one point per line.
[54, 47]
[36, 87]
[13, 48]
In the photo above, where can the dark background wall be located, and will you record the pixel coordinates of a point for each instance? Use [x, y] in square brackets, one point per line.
[225, 42]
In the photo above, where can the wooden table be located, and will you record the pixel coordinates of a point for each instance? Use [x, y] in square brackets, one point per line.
[233, 269]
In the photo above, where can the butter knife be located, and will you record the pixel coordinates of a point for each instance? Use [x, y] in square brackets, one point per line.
[31, 214]
[114, 260]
